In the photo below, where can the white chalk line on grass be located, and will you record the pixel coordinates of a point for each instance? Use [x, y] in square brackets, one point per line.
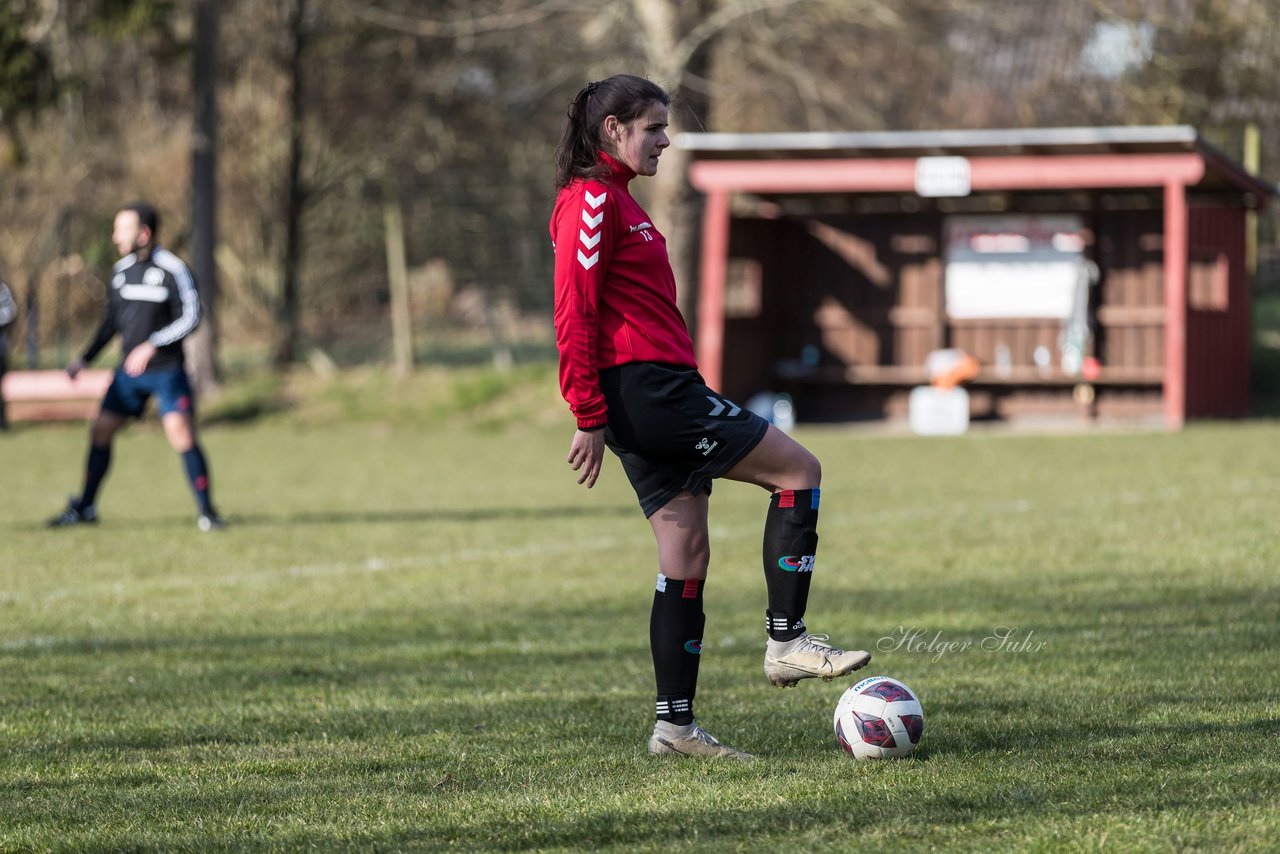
[270, 576]
[1015, 506]
[1006, 507]
[472, 556]
[370, 565]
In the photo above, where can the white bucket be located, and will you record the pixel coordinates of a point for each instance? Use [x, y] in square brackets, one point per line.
[938, 411]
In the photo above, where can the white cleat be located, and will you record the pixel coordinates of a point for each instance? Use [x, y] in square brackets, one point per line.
[210, 521]
[668, 739]
[808, 657]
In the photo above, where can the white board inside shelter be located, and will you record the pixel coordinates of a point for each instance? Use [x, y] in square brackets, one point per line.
[1012, 266]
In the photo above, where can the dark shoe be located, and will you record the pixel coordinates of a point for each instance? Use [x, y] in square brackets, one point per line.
[74, 515]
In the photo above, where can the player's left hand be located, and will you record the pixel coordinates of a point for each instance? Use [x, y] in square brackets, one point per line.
[136, 362]
[586, 454]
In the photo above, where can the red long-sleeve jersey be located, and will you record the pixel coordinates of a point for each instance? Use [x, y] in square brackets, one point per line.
[615, 290]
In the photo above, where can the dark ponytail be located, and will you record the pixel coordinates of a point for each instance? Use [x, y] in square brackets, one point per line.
[623, 95]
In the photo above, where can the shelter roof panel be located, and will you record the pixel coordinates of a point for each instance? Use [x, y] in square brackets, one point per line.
[1221, 171]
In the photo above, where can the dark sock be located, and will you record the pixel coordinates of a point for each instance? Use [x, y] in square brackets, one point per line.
[790, 544]
[198, 475]
[94, 471]
[675, 638]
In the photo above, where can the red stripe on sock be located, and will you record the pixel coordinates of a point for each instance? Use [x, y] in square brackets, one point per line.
[690, 589]
[202, 483]
[787, 498]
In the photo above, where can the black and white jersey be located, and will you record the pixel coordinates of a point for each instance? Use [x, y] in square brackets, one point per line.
[8, 311]
[8, 314]
[150, 300]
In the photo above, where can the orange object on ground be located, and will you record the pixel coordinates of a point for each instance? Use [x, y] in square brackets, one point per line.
[964, 369]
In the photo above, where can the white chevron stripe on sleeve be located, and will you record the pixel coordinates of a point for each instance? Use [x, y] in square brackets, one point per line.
[594, 201]
[588, 241]
[593, 221]
[588, 261]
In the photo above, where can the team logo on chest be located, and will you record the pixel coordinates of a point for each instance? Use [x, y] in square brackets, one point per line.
[590, 236]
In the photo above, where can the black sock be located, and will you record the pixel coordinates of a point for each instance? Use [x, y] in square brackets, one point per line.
[790, 544]
[198, 475]
[675, 638]
[94, 471]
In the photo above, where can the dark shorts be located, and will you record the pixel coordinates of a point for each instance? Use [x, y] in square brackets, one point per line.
[128, 395]
[671, 432]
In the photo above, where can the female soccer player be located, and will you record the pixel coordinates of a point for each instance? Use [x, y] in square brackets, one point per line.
[628, 373]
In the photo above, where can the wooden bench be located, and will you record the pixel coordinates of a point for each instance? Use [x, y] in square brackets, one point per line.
[52, 395]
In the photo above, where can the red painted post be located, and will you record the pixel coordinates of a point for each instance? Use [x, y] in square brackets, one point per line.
[1175, 304]
[711, 284]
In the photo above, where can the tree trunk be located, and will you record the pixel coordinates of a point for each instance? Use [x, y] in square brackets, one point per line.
[201, 346]
[675, 204]
[398, 282]
[31, 342]
[287, 316]
[682, 203]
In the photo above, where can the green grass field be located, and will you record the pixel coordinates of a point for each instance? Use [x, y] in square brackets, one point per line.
[426, 637]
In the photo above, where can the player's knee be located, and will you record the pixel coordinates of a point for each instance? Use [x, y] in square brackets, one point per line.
[181, 432]
[181, 441]
[700, 558]
[695, 556]
[809, 469]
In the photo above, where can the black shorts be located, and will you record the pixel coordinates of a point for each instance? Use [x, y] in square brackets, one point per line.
[128, 395]
[671, 432]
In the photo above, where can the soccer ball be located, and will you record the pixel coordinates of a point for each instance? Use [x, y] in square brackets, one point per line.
[879, 718]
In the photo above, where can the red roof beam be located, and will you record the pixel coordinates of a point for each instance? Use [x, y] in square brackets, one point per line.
[898, 175]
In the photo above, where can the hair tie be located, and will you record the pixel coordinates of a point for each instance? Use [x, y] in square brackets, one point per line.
[591, 88]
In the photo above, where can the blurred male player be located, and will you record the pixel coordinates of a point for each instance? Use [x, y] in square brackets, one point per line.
[8, 314]
[153, 304]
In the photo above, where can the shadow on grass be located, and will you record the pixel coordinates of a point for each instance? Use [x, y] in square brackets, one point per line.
[243, 411]
[452, 793]
[444, 753]
[352, 517]
[474, 514]
[434, 679]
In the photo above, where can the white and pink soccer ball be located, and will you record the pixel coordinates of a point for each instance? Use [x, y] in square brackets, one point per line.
[879, 718]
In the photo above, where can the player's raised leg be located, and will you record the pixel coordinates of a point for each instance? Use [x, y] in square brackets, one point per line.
[675, 628]
[794, 475]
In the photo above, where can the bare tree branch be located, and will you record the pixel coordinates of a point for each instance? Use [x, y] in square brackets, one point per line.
[41, 29]
[806, 87]
[726, 15]
[498, 22]
[717, 21]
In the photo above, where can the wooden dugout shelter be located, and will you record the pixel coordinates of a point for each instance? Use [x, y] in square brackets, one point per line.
[832, 264]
